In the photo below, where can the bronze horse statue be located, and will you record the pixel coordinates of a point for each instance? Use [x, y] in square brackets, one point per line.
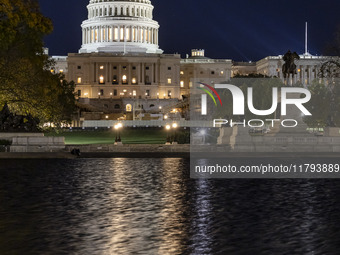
[289, 66]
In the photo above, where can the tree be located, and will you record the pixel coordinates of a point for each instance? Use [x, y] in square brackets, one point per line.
[26, 83]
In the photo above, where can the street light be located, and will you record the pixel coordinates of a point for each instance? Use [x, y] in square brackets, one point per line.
[174, 126]
[167, 127]
[117, 127]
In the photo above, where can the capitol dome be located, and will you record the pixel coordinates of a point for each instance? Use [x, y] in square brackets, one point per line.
[124, 26]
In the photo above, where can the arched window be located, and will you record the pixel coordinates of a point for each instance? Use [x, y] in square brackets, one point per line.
[152, 105]
[128, 108]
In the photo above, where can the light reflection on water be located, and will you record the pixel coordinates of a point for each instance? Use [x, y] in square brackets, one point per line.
[151, 206]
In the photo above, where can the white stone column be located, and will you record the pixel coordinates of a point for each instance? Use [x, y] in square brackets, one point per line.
[119, 74]
[139, 34]
[157, 36]
[157, 73]
[131, 34]
[310, 75]
[303, 70]
[112, 33]
[118, 33]
[142, 73]
[96, 72]
[130, 74]
[87, 35]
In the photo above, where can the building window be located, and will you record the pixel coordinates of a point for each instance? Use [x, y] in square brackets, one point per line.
[212, 72]
[134, 93]
[147, 93]
[102, 92]
[79, 80]
[124, 67]
[101, 79]
[128, 108]
[133, 68]
[79, 67]
[134, 81]
[169, 80]
[147, 68]
[182, 72]
[115, 68]
[182, 84]
[101, 67]
[169, 68]
[115, 92]
[222, 72]
[169, 93]
[79, 93]
[124, 79]
[114, 80]
[117, 106]
[147, 80]
[190, 84]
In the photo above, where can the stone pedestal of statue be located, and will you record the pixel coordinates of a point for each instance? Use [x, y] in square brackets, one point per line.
[294, 115]
[240, 139]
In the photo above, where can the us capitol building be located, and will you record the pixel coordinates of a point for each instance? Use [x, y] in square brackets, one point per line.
[120, 71]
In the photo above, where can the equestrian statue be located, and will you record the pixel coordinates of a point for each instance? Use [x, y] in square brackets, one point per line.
[289, 66]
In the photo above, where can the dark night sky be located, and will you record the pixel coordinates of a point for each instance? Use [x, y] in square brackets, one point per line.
[240, 30]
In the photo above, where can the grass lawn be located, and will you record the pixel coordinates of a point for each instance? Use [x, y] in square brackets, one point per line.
[128, 136]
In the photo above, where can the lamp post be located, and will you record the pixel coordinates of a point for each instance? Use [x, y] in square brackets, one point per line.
[168, 140]
[117, 127]
[174, 126]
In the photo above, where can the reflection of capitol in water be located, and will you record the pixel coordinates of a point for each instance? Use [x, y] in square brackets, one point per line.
[120, 67]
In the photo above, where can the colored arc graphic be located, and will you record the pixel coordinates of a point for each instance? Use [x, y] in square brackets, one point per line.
[208, 92]
[213, 90]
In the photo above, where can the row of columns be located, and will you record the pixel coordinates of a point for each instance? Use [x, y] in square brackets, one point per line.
[304, 73]
[140, 74]
[130, 10]
[120, 34]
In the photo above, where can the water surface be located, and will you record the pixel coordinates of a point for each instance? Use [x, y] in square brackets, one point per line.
[151, 206]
